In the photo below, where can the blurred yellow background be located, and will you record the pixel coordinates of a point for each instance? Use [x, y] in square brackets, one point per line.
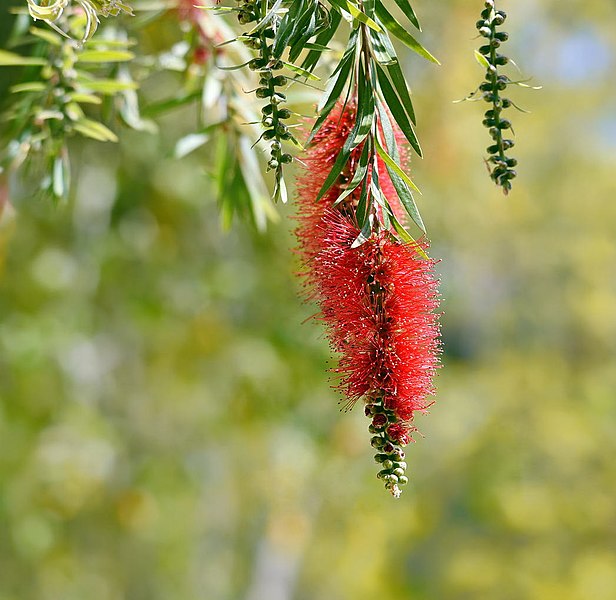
[167, 426]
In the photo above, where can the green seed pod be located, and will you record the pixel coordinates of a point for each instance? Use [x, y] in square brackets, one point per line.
[285, 113]
[388, 464]
[263, 92]
[501, 60]
[495, 44]
[272, 164]
[502, 36]
[287, 158]
[494, 132]
[276, 146]
[489, 122]
[492, 149]
[267, 109]
[281, 128]
[269, 134]
[278, 99]
[286, 136]
[506, 103]
[403, 480]
[279, 81]
[486, 86]
[486, 13]
[256, 63]
[377, 441]
[504, 124]
[481, 23]
[512, 162]
[485, 50]
[499, 18]
[501, 85]
[507, 144]
[398, 472]
[268, 121]
[380, 457]
[485, 32]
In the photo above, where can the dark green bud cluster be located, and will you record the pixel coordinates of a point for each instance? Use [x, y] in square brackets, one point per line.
[265, 64]
[501, 166]
[248, 12]
[388, 442]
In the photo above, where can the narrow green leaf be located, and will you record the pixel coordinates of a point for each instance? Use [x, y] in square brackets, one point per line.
[407, 238]
[409, 13]
[271, 13]
[402, 34]
[381, 51]
[355, 12]
[49, 36]
[103, 56]
[312, 58]
[364, 234]
[302, 72]
[95, 130]
[482, 60]
[85, 98]
[333, 91]
[30, 86]
[359, 175]
[397, 110]
[391, 164]
[10, 59]
[399, 83]
[363, 124]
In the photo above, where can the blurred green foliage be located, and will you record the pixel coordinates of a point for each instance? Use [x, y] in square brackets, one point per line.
[166, 423]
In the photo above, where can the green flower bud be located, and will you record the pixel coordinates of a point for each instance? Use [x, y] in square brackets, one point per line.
[287, 158]
[263, 92]
[403, 480]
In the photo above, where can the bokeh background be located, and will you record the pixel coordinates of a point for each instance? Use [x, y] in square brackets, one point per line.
[167, 427]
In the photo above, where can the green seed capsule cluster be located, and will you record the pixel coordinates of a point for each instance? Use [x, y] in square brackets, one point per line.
[501, 166]
[389, 454]
[273, 114]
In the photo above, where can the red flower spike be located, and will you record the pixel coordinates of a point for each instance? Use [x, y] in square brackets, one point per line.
[377, 301]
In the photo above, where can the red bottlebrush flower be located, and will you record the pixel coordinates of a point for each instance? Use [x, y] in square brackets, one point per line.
[377, 301]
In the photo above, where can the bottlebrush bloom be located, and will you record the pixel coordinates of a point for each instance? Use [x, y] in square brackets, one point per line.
[377, 301]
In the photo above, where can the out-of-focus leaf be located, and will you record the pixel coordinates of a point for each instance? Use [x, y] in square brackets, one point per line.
[102, 56]
[30, 86]
[49, 36]
[189, 143]
[10, 59]
[95, 130]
